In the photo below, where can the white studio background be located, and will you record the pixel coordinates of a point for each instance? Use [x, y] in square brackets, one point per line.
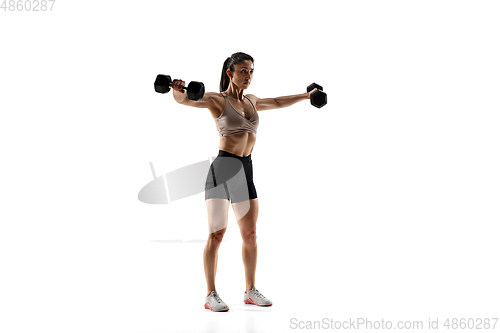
[382, 204]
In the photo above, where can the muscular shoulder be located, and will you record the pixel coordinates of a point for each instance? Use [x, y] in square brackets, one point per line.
[253, 98]
[213, 95]
[219, 100]
[219, 103]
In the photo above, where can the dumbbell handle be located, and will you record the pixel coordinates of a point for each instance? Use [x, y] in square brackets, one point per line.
[184, 88]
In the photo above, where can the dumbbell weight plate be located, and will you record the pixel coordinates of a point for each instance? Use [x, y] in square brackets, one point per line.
[162, 83]
[318, 98]
[195, 90]
[314, 85]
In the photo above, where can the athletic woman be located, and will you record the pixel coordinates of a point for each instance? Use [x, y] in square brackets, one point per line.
[230, 177]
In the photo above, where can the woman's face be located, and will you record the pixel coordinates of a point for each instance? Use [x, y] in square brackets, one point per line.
[242, 75]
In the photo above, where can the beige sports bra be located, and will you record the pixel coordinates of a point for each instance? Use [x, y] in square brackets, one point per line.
[232, 122]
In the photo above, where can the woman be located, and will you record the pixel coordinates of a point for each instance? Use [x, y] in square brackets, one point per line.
[230, 178]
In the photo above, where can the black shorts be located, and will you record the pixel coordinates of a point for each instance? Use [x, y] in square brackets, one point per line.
[230, 177]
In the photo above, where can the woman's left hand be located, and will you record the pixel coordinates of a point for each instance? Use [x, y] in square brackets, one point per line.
[310, 92]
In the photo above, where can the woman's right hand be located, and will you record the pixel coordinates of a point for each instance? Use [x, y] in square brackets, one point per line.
[177, 85]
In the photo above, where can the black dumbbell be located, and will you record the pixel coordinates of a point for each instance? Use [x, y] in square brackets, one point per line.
[318, 98]
[195, 90]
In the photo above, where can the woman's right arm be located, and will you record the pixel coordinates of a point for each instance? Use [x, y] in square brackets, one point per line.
[180, 96]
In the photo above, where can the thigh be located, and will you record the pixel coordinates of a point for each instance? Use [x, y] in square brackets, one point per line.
[217, 212]
[246, 213]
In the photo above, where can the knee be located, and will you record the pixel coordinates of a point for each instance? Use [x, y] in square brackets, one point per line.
[216, 237]
[250, 237]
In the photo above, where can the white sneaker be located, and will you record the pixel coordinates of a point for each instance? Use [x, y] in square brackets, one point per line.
[214, 303]
[256, 298]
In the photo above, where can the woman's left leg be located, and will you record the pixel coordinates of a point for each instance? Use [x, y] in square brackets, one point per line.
[246, 214]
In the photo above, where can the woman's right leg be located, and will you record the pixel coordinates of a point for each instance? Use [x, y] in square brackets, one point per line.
[217, 212]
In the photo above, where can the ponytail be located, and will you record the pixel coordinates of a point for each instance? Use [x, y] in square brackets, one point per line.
[235, 59]
[224, 79]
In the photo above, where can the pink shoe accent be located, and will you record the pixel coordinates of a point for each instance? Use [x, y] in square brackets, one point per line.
[251, 301]
[207, 306]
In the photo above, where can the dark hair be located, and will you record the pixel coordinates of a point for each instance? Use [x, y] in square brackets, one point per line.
[235, 59]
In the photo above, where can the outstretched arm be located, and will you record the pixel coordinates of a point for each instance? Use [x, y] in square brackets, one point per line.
[279, 102]
[207, 101]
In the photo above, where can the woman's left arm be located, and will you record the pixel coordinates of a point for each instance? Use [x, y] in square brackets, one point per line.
[279, 102]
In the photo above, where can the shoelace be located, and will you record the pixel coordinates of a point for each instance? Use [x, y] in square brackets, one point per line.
[259, 294]
[217, 298]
